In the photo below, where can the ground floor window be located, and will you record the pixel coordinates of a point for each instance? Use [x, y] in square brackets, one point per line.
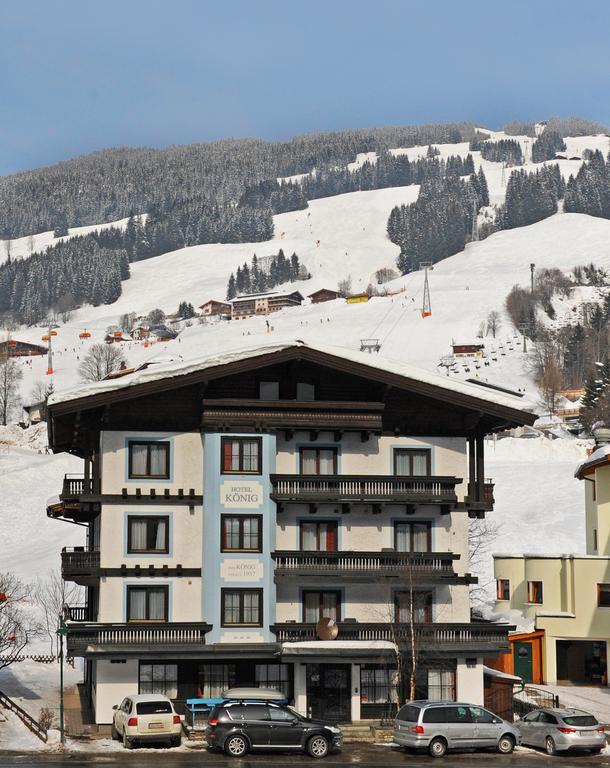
[441, 684]
[378, 684]
[275, 676]
[214, 679]
[582, 662]
[159, 678]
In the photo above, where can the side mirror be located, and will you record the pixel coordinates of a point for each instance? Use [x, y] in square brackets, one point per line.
[115, 706]
[294, 721]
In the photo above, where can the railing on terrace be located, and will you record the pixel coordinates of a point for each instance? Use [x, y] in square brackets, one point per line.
[79, 560]
[364, 562]
[312, 488]
[430, 637]
[136, 635]
[77, 612]
[76, 485]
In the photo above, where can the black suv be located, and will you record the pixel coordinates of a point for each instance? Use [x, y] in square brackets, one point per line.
[238, 727]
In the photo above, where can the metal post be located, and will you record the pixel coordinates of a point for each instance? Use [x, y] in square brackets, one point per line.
[50, 354]
[61, 632]
[532, 268]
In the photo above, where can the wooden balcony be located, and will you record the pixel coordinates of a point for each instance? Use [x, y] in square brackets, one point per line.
[78, 613]
[429, 638]
[135, 638]
[80, 565]
[422, 567]
[478, 506]
[364, 488]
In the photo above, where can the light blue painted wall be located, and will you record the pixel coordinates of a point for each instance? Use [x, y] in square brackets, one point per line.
[212, 556]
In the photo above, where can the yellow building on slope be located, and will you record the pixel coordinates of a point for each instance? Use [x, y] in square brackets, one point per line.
[568, 595]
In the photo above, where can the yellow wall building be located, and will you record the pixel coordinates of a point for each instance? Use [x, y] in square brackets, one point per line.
[568, 595]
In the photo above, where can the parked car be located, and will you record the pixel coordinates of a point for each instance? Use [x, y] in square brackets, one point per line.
[441, 725]
[146, 718]
[238, 726]
[558, 730]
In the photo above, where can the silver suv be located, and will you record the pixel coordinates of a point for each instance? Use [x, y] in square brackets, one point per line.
[441, 725]
[558, 730]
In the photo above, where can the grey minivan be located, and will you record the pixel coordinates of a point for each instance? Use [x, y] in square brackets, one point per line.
[441, 725]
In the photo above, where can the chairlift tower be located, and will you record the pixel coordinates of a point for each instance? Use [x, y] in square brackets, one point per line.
[524, 327]
[475, 224]
[426, 309]
[50, 354]
[503, 182]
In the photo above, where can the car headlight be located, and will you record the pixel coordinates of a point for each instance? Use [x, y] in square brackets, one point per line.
[333, 729]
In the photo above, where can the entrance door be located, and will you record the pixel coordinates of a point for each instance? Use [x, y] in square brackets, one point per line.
[523, 658]
[329, 692]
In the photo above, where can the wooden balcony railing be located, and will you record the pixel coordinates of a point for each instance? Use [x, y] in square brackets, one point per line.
[388, 488]
[430, 638]
[369, 564]
[75, 486]
[78, 613]
[77, 562]
[135, 637]
[487, 502]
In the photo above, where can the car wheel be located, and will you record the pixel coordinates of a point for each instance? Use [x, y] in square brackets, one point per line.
[551, 749]
[506, 744]
[127, 743]
[236, 746]
[175, 741]
[317, 746]
[114, 734]
[596, 751]
[437, 747]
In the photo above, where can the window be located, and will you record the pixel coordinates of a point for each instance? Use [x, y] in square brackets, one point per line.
[280, 715]
[534, 592]
[242, 607]
[148, 459]
[546, 718]
[214, 679]
[378, 684]
[241, 455]
[435, 715]
[318, 461]
[147, 603]
[412, 537]
[269, 390]
[422, 607]
[411, 462]
[305, 391]
[148, 534]
[154, 708]
[603, 595]
[273, 676]
[321, 605]
[503, 589]
[159, 678]
[248, 712]
[241, 533]
[458, 715]
[480, 715]
[319, 536]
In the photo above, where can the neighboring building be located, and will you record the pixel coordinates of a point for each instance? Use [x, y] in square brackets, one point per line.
[568, 595]
[15, 348]
[468, 348]
[524, 656]
[357, 298]
[215, 308]
[241, 509]
[263, 303]
[324, 294]
[140, 332]
[116, 336]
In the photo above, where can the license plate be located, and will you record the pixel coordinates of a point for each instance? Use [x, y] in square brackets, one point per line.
[155, 726]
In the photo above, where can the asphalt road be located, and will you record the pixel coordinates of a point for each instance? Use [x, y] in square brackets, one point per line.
[362, 755]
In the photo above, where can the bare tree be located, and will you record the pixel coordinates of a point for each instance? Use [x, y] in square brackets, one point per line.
[41, 392]
[481, 535]
[551, 384]
[52, 594]
[127, 322]
[385, 274]
[10, 376]
[493, 323]
[156, 316]
[345, 286]
[18, 625]
[100, 361]
[481, 331]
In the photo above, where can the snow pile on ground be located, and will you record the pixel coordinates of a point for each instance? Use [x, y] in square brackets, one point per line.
[34, 437]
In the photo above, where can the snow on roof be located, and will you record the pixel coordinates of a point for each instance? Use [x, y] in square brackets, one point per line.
[599, 456]
[491, 672]
[468, 343]
[182, 368]
[299, 648]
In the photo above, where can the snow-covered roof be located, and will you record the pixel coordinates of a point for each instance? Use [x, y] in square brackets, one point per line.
[378, 362]
[599, 456]
[491, 672]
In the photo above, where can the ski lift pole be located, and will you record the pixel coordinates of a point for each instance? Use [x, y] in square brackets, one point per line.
[426, 309]
[50, 354]
[524, 327]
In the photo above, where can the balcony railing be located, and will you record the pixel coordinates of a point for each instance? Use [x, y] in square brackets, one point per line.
[135, 637]
[78, 613]
[75, 486]
[368, 564]
[430, 638]
[487, 502]
[388, 488]
[78, 563]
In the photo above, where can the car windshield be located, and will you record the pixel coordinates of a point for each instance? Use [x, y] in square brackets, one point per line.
[295, 713]
[153, 707]
[579, 720]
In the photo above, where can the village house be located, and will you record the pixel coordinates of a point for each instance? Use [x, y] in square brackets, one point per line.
[263, 303]
[282, 516]
[567, 596]
[213, 308]
[467, 348]
[323, 294]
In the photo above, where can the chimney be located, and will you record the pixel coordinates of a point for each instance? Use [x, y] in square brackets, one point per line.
[601, 436]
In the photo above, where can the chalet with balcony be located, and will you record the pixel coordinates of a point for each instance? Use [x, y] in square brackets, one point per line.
[293, 516]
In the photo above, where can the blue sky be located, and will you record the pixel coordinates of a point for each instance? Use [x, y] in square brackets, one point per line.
[78, 75]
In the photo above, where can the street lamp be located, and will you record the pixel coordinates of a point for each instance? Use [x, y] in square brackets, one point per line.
[62, 631]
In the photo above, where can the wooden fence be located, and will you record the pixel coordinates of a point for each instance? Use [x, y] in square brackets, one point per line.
[27, 719]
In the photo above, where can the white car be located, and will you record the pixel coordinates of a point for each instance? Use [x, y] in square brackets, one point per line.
[146, 717]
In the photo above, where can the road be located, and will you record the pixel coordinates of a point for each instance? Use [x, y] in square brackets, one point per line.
[362, 755]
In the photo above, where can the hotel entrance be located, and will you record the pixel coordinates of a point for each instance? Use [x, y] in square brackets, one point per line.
[329, 692]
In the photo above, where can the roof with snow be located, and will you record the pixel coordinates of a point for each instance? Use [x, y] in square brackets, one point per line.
[599, 457]
[391, 372]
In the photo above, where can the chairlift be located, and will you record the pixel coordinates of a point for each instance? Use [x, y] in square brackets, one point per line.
[84, 335]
